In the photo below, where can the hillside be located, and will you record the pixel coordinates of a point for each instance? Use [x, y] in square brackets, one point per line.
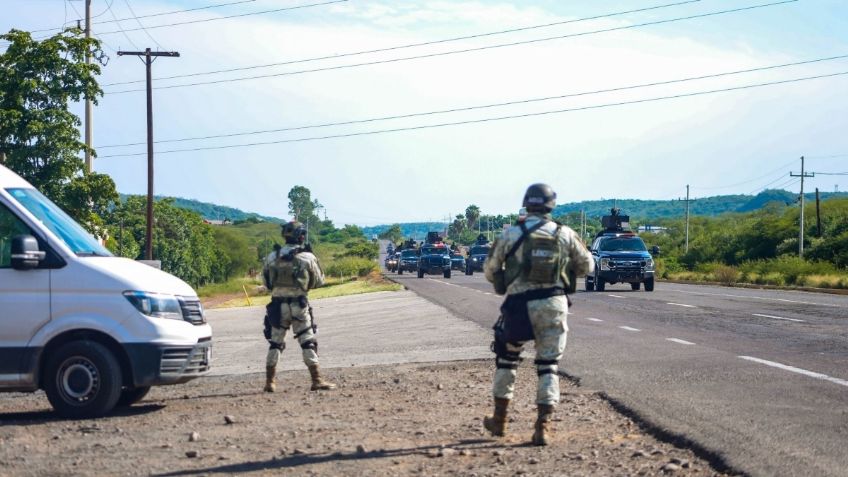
[211, 211]
[706, 206]
[416, 230]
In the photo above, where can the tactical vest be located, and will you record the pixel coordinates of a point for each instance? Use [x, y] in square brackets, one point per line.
[291, 271]
[541, 258]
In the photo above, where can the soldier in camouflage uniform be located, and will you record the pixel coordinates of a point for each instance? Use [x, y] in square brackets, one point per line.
[293, 273]
[534, 263]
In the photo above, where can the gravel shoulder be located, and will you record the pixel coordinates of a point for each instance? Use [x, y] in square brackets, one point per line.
[409, 419]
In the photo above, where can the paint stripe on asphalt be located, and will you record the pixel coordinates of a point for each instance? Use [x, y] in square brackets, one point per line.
[778, 318]
[629, 328]
[793, 369]
[680, 341]
[616, 296]
[753, 297]
[681, 304]
[595, 319]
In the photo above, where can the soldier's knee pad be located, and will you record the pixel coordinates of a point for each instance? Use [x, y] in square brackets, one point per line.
[546, 366]
[504, 358]
[309, 344]
[277, 346]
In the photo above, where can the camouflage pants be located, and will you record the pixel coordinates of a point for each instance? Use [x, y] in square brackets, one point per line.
[300, 322]
[548, 317]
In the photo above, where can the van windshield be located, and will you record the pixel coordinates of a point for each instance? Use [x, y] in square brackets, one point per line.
[62, 225]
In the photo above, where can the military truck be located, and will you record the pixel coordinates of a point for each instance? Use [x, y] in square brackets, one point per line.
[407, 261]
[434, 259]
[477, 255]
[620, 256]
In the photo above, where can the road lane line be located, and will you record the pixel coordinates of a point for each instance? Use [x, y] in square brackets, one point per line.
[778, 317]
[629, 328]
[487, 293]
[793, 369]
[683, 342]
[728, 295]
[615, 296]
[595, 319]
[681, 304]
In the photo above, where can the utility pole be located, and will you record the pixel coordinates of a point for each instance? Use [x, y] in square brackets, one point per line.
[583, 224]
[818, 214]
[88, 163]
[688, 200]
[802, 175]
[148, 61]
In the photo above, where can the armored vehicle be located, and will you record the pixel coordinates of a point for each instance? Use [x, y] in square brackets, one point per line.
[434, 259]
[477, 255]
[620, 256]
[407, 261]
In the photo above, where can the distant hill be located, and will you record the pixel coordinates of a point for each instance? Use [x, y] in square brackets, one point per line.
[416, 230]
[706, 206]
[211, 211]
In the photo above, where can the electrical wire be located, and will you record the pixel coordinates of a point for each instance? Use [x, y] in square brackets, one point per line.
[174, 12]
[127, 3]
[779, 169]
[471, 108]
[206, 20]
[779, 179]
[108, 7]
[413, 45]
[491, 119]
[831, 173]
[454, 52]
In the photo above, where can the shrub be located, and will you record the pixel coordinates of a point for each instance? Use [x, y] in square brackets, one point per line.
[350, 266]
[725, 274]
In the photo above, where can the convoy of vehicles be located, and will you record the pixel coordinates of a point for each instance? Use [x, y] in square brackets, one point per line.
[620, 256]
[90, 329]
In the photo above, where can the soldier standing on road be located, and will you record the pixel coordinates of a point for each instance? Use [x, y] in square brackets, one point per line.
[293, 273]
[534, 263]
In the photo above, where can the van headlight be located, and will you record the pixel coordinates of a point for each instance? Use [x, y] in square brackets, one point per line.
[155, 305]
[605, 264]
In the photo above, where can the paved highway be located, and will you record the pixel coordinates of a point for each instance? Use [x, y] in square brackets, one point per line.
[756, 377]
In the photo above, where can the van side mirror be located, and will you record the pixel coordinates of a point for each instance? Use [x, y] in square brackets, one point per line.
[25, 253]
[655, 250]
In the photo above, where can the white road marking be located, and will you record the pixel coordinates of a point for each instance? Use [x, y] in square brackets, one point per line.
[629, 328]
[486, 293]
[793, 369]
[595, 319]
[615, 296]
[728, 295]
[681, 304]
[683, 342]
[778, 318]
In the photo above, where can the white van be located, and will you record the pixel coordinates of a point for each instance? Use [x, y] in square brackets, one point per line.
[90, 329]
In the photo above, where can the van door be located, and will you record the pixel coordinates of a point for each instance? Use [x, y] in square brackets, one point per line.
[24, 305]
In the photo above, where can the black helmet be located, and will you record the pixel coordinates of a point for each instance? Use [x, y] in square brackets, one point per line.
[293, 232]
[539, 198]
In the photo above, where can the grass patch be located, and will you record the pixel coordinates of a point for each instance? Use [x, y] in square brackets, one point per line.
[333, 288]
[234, 285]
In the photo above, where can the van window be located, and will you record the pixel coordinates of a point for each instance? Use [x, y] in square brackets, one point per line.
[60, 223]
[10, 226]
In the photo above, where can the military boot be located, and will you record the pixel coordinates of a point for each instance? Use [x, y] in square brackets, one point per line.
[543, 425]
[318, 383]
[496, 424]
[270, 379]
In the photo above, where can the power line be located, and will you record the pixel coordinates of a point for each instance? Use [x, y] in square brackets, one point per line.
[470, 108]
[413, 45]
[492, 119]
[206, 20]
[127, 3]
[454, 52]
[779, 169]
[173, 12]
[108, 7]
[832, 173]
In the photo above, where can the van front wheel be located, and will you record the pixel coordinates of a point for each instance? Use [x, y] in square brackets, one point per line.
[83, 379]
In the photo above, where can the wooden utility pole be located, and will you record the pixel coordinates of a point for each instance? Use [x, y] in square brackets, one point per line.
[688, 200]
[818, 214]
[148, 60]
[88, 163]
[802, 175]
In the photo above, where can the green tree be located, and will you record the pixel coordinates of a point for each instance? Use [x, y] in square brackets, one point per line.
[234, 255]
[38, 134]
[472, 214]
[301, 204]
[392, 234]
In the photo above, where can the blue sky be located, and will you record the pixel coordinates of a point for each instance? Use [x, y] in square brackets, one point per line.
[725, 143]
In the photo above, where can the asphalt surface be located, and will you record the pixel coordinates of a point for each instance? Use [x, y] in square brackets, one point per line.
[757, 378]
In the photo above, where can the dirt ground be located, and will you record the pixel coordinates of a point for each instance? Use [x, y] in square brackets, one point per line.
[413, 419]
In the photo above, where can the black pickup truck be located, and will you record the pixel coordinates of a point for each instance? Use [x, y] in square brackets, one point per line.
[434, 259]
